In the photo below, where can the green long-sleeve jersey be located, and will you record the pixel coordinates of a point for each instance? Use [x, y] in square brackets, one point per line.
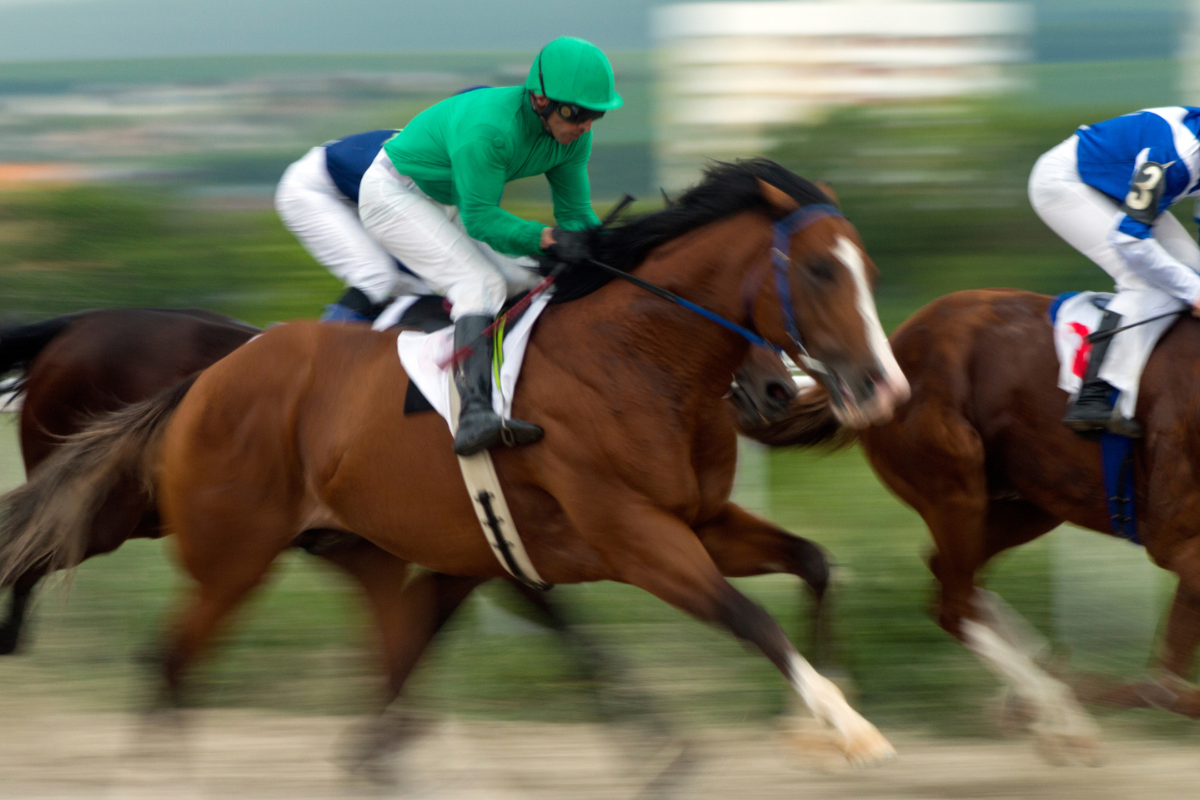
[463, 150]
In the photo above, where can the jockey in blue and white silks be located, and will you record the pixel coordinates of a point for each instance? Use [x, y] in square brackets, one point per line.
[1107, 191]
[317, 200]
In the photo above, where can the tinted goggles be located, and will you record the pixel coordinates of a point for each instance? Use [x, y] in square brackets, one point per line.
[575, 114]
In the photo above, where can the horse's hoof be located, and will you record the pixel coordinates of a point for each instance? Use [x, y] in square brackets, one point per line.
[371, 747]
[829, 750]
[9, 639]
[665, 767]
[1010, 714]
[1062, 749]
[867, 747]
[375, 771]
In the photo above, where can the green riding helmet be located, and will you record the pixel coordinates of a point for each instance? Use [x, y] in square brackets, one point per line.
[570, 70]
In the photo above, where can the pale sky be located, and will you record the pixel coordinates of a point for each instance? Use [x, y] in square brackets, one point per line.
[57, 29]
[67, 29]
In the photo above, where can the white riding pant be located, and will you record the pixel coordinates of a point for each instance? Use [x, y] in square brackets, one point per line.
[1083, 217]
[327, 224]
[430, 239]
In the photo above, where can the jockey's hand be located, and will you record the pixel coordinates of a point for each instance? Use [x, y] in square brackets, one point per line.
[1196, 309]
[571, 247]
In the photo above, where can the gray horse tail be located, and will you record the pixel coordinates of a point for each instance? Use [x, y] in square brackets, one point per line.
[808, 422]
[46, 522]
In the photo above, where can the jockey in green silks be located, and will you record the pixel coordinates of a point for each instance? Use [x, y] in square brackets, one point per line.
[432, 199]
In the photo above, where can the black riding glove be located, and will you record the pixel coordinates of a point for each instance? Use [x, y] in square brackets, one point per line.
[570, 247]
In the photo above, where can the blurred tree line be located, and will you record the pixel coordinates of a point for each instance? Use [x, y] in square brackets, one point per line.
[937, 191]
[91, 246]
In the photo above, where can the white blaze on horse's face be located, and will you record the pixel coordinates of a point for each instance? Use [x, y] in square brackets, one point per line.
[893, 389]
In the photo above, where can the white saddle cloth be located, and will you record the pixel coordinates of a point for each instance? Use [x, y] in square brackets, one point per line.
[1078, 317]
[421, 355]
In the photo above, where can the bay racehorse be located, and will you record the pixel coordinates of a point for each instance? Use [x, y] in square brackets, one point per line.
[980, 453]
[300, 429]
[81, 365]
[76, 367]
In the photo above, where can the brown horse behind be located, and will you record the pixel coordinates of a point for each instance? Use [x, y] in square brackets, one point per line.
[979, 451]
[301, 429]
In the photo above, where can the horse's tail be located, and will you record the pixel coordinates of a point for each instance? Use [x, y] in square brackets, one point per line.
[46, 522]
[20, 344]
[809, 421]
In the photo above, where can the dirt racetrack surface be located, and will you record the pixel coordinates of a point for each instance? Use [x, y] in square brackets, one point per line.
[242, 754]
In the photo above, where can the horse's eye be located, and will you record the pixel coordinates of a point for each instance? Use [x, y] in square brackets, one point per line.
[821, 269]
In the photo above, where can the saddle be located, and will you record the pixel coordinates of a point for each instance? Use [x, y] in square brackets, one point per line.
[1074, 317]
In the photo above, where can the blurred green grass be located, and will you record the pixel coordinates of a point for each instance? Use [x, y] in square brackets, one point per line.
[304, 644]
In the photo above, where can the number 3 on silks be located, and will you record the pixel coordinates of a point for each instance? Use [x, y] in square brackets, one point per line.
[1145, 191]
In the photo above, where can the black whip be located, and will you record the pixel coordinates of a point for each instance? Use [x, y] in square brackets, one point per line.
[1100, 336]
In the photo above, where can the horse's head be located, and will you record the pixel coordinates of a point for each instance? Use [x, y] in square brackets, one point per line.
[822, 309]
[762, 390]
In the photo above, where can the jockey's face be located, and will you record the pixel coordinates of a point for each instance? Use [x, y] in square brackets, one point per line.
[564, 132]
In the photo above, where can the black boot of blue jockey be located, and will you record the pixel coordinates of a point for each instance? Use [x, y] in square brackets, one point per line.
[1092, 409]
[479, 427]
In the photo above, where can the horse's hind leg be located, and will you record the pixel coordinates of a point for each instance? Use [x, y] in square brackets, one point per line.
[10, 629]
[1171, 690]
[656, 552]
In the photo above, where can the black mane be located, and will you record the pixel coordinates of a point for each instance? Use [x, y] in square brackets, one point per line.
[726, 189]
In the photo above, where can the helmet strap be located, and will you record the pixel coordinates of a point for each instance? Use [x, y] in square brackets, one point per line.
[545, 113]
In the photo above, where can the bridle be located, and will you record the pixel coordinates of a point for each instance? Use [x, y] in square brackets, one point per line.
[783, 231]
[781, 246]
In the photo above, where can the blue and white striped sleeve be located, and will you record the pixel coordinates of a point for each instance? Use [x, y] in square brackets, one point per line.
[1156, 183]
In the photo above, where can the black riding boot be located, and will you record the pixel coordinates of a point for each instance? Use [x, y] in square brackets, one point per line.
[479, 427]
[1091, 410]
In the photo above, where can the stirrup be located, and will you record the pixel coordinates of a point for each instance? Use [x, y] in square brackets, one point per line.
[514, 432]
[1085, 416]
[1087, 423]
[1122, 426]
[480, 432]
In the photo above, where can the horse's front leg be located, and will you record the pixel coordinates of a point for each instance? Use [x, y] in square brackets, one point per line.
[743, 545]
[656, 551]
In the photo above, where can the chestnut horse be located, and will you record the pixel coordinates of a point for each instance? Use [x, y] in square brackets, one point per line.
[79, 366]
[300, 429]
[981, 454]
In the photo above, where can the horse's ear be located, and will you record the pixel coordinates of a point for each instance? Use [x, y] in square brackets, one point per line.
[828, 190]
[778, 198]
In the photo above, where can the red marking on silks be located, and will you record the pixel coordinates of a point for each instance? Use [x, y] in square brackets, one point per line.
[1083, 354]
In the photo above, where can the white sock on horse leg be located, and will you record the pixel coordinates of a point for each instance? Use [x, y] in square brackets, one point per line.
[863, 741]
[1057, 709]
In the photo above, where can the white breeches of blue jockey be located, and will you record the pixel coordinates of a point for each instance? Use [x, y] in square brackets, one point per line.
[327, 224]
[431, 241]
[1083, 216]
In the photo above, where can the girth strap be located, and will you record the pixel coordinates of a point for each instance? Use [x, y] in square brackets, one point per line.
[491, 508]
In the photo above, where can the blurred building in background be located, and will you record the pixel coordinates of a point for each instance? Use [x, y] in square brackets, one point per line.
[731, 72]
[1189, 54]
